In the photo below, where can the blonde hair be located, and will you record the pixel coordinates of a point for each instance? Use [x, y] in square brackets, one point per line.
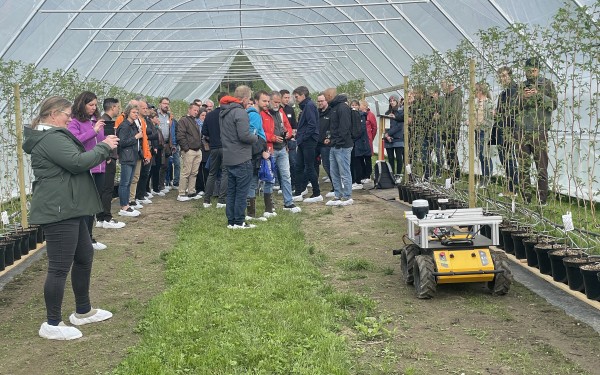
[49, 106]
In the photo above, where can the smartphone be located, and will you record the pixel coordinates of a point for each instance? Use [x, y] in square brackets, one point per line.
[109, 127]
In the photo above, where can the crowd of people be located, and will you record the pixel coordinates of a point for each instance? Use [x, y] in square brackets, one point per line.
[251, 144]
[212, 153]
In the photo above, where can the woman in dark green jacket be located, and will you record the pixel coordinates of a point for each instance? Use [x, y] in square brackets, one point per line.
[60, 204]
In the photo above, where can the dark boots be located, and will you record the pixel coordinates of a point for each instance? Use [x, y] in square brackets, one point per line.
[268, 202]
[251, 207]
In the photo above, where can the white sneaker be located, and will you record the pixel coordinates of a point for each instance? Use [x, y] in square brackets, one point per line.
[95, 315]
[326, 179]
[292, 208]
[206, 205]
[276, 187]
[357, 186]
[304, 192]
[196, 196]
[183, 198]
[165, 190]
[148, 196]
[279, 191]
[143, 201]
[221, 205]
[244, 226]
[112, 224]
[298, 198]
[366, 181]
[333, 202]
[331, 194]
[98, 246]
[200, 193]
[159, 193]
[260, 218]
[269, 214]
[59, 332]
[346, 202]
[99, 224]
[318, 198]
[136, 205]
[129, 212]
[309, 185]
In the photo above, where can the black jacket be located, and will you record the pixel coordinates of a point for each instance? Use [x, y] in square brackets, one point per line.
[211, 129]
[129, 147]
[291, 115]
[324, 126]
[341, 122]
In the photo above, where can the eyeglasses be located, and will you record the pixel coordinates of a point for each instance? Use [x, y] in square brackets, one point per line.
[66, 113]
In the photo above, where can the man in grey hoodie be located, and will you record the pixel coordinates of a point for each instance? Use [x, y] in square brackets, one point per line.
[237, 154]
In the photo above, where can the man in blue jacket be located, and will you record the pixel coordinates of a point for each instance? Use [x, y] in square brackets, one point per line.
[307, 136]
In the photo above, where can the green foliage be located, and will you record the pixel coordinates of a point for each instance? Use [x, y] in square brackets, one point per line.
[355, 89]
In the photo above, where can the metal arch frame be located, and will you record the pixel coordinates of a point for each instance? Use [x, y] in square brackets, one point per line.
[234, 40]
[142, 11]
[236, 27]
[23, 26]
[294, 15]
[501, 11]
[460, 29]
[238, 48]
[362, 52]
[203, 57]
[58, 36]
[286, 47]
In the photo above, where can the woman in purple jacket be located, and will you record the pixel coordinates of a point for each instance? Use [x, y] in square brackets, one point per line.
[88, 127]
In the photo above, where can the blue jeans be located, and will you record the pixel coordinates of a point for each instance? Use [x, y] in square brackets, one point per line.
[324, 151]
[283, 167]
[292, 156]
[127, 172]
[238, 183]
[484, 160]
[176, 167]
[254, 183]
[339, 159]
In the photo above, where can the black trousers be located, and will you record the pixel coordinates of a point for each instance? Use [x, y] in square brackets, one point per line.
[69, 248]
[99, 182]
[106, 194]
[305, 167]
[155, 171]
[395, 154]
[142, 186]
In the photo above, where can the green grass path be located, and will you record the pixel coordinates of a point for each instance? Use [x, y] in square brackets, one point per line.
[241, 302]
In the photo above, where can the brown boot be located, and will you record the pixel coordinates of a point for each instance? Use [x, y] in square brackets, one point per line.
[251, 207]
[269, 212]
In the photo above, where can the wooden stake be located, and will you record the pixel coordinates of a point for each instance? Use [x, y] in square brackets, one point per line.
[406, 116]
[472, 201]
[20, 164]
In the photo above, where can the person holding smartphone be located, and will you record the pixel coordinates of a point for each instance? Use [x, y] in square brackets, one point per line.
[88, 127]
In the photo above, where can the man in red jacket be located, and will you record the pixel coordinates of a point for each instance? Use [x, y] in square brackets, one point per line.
[278, 130]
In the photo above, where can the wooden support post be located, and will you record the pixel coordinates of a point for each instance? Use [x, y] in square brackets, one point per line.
[472, 120]
[20, 164]
[406, 116]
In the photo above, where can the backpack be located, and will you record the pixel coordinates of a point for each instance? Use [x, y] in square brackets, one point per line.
[384, 178]
[355, 124]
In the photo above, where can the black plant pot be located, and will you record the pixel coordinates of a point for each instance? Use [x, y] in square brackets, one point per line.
[17, 246]
[518, 245]
[559, 270]
[24, 242]
[486, 231]
[591, 280]
[32, 237]
[39, 234]
[574, 277]
[2, 261]
[507, 241]
[530, 254]
[9, 257]
[542, 250]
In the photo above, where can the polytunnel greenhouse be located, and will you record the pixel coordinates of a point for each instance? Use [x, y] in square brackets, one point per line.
[299, 187]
